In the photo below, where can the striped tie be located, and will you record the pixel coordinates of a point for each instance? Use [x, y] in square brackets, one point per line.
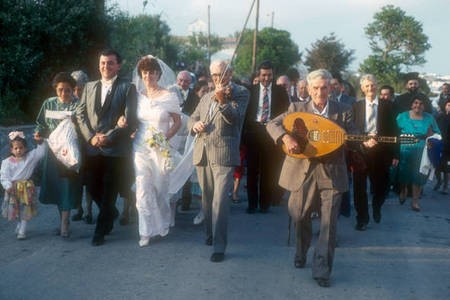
[265, 107]
[371, 123]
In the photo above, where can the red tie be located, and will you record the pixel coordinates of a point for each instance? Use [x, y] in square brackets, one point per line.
[265, 107]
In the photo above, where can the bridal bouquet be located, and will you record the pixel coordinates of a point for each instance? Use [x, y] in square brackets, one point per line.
[157, 140]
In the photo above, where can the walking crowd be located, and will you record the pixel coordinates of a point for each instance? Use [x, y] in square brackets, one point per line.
[151, 140]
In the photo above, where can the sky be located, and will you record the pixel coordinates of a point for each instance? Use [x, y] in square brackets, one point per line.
[308, 21]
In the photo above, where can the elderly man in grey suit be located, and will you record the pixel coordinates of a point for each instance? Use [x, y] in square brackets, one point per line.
[310, 180]
[218, 121]
[102, 104]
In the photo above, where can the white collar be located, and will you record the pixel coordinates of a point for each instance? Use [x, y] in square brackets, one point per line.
[109, 82]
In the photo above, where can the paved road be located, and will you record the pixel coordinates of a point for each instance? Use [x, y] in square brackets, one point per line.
[406, 256]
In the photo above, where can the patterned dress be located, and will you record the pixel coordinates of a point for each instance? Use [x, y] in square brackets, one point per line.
[59, 185]
[15, 174]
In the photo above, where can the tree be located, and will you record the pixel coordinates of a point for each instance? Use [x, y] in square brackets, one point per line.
[193, 52]
[134, 37]
[329, 53]
[272, 44]
[40, 38]
[397, 42]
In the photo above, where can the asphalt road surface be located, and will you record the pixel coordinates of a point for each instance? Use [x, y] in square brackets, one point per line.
[406, 256]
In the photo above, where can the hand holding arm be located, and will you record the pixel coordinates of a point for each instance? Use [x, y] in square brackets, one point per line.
[290, 143]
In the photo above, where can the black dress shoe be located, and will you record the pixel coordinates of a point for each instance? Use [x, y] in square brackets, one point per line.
[98, 240]
[209, 241]
[264, 210]
[251, 210]
[124, 220]
[323, 282]
[115, 213]
[376, 215]
[78, 216]
[88, 219]
[217, 257]
[299, 263]
[361, 226]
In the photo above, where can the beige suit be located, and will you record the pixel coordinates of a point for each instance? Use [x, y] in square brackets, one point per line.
[321, 179]
[216, 153]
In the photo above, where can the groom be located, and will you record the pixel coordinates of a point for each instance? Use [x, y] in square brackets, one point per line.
[217, 121]
[107, 146]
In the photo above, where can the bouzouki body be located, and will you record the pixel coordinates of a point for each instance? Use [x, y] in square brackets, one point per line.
[318, 136]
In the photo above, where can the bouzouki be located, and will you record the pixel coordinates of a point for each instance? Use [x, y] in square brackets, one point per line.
[318, 136]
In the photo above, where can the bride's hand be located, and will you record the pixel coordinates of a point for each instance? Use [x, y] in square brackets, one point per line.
[122, 122]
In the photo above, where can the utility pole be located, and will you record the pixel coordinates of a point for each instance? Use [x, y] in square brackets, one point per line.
[209, 34]
[255, 34]
[271, 22]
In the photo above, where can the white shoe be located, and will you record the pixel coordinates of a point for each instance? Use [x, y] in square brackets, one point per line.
[199, 218]
[21, 236]
[144, 242]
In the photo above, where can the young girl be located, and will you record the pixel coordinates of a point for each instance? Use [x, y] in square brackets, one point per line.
[15, 173]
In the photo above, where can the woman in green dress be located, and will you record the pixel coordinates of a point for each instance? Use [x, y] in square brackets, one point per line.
[59, 185]
[420, 124]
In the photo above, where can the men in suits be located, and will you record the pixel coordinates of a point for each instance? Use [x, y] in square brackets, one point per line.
[376, 118]
[337, 92]
[387, 93]
[311, 180]
[403, 102]
[302, 88]
[102, 104]
[264, 157]
[188, 102]
[217, 121]
[284, 82]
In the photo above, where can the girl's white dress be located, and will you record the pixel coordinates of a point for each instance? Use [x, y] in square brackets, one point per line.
[14, 171]
[154, 162]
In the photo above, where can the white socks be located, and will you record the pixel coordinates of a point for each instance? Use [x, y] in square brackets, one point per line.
[21, 230]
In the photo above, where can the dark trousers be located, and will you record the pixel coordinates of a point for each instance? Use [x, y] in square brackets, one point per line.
[377, 171]
[264, 160]
[186, 195]
[103, 175]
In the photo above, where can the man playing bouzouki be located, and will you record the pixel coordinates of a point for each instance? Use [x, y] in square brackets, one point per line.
[315, 179]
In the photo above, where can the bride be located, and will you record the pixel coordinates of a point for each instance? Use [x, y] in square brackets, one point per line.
[159, 117]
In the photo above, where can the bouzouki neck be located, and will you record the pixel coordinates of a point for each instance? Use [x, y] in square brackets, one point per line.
[362, 138]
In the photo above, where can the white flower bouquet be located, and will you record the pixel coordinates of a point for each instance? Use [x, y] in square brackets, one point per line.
[157, 140]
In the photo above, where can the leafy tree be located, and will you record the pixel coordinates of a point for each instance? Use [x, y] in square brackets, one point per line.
[40, 38]
[329, 53]
[272, 44]
[193, 52]
[134, 37]
[397, 42]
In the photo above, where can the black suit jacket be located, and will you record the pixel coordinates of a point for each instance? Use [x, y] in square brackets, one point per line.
[386, 124]
[278, 105]
[403, 102]
[191, 103]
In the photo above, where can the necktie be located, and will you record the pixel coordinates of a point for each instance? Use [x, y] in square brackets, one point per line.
[265, 107]
[371, 121]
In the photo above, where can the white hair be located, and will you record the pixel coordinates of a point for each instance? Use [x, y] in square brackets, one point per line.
[80, 77]
[320, 73]
[368, 77]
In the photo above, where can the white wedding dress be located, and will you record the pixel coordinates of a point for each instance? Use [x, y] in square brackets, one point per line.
[153, 168]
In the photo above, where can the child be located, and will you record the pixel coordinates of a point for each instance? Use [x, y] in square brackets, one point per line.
[16, 170]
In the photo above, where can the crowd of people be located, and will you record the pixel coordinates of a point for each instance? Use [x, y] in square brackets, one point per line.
[144, 140]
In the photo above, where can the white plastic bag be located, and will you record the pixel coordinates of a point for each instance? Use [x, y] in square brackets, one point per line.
[63, 142]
